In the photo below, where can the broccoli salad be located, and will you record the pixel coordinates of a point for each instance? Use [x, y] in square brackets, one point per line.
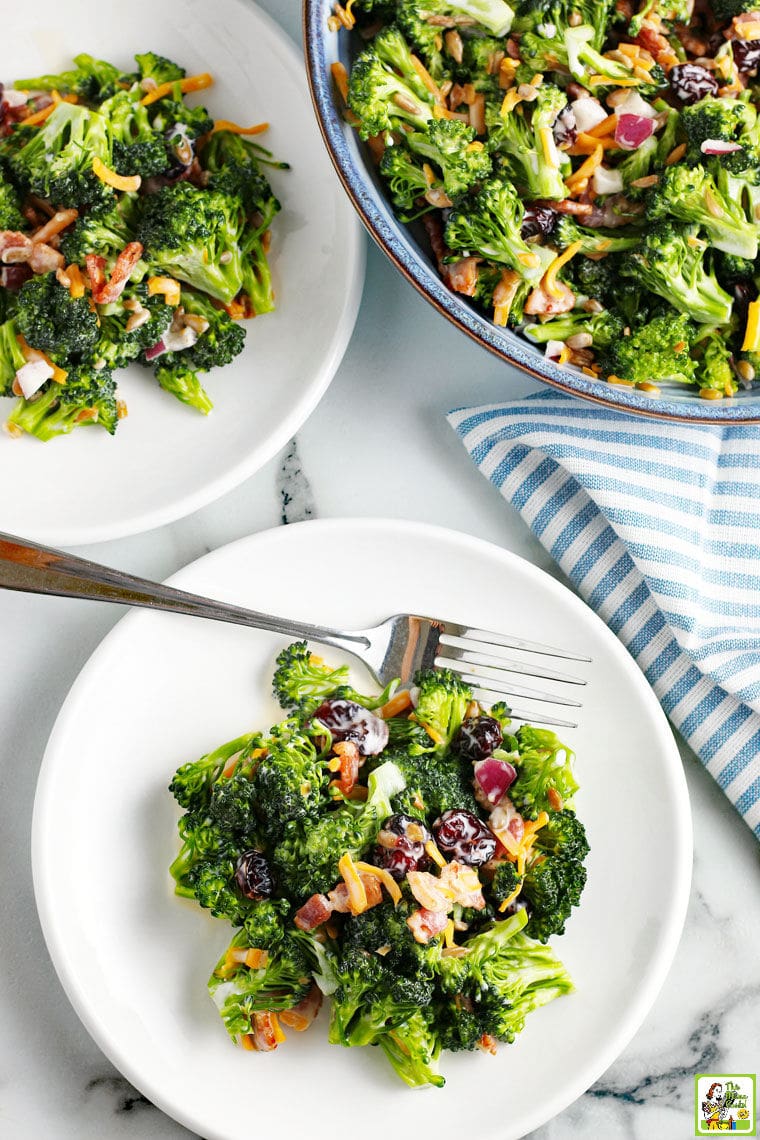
[587, 171]
[407, 855]
[133, 228]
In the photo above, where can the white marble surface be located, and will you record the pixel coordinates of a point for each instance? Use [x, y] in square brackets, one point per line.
[377, 445]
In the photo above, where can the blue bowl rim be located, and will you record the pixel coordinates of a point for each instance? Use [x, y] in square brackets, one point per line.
[504, 343]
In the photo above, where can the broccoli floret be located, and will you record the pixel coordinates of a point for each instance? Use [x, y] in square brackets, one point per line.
[92, 80]
[489, 225]
[670, 262]
[192, 783]
[202, 841]
[384, 927]
[212, 881]
[451, 145]
[193, 234]
[564, 834]
[552, 887]
[479, 66]
[689, 193]
[104, 233]
[537, 15]
[606, 328]
[117, 346]
[11, 217]
[725, 10]
[183, 382]
[732, 270]
[234, 804]
[257, 289]
[291, 780]
[54, 160]
[51, 320]
[525, 139]
[714, 369]
[638, 164]
[435, 781]
[407, 181]
[158, 68]
[265, 923]
[11, 356]
[281, 982]
[137, 148]
[221, 342]
[567, 232]
[573, 48]
[87, 397]
[544, 766]
[441, 703]
[306, 857]
[302, 680]
[723, 119]
[656, 351]
[371, 999]
[492, 989]
[233, 168]
[382, 100]
[413, 1048]
[504, 883]
[483, 17]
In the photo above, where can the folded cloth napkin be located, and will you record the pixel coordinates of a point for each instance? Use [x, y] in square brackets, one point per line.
[658, 526]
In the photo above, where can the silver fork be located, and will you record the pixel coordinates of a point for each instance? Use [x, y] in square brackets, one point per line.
[398, 647]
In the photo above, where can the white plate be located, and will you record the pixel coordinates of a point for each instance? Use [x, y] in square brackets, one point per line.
[163, 689]
[167, 460]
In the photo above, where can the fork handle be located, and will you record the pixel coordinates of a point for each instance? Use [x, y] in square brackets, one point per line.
[32, 569]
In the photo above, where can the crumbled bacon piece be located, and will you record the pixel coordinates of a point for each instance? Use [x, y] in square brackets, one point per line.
[425, 924]
[313, 913]
[106, 292]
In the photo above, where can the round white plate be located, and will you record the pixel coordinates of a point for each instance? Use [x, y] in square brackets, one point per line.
[163, 689]
[167, 460]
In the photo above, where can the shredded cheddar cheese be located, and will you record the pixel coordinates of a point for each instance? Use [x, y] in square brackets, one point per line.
[549, 282]
[357, 894]
[192, 83]
[167, 286]
[385, 878]
[128, 183]
[751, 342]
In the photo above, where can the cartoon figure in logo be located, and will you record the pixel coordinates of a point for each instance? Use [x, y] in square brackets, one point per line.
[714, 1107]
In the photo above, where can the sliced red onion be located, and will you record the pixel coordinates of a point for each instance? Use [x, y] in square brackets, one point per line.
[155, 350]
[13, 276]
[16, 98]
[553, 349]
[607, 181]
[495, 777]
[632, 130]
[588, 113]
[32, 375]
[719, 146]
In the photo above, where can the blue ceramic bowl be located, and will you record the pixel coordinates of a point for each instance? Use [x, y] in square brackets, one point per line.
[407, 248]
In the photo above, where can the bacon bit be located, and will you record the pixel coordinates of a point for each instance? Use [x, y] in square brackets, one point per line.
[340, 79]
[539, 303]
[106, 292]
[657, 45]
[425, 924]
[397, 704]
[568, 206]
[59, 221]
[313, 913]
[464, 884]
[192, 83]
[127, 183]
[488, 1044]
[236, 310]
[267, 1034]
[233, 128]
[349, 763]
[462, 275]
[15, 247]
[44, 259]
[300, 1017]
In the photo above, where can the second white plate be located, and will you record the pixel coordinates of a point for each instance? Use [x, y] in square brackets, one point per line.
[163, 689]
[167, 460]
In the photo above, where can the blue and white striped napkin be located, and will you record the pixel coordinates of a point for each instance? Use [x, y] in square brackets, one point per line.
[658, 527]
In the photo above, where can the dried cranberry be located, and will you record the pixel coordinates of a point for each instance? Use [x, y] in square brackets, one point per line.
[478, 738]
[537, 221]
[565, 130]
[401, 846]
[348, 721]
[742, 292]
[746, 55]
[691, 82]
[466, 838]
[253, 876]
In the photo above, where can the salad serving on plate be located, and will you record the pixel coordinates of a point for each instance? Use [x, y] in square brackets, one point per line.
[407, 854]
[133, 227]
[586, 172]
